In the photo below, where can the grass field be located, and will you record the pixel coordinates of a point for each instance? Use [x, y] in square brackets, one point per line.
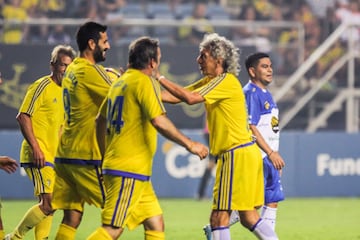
[298, 219]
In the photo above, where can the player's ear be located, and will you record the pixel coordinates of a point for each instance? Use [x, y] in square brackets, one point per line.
[252, 72]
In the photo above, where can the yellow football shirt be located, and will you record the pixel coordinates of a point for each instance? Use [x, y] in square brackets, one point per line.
[43, 103]
[85, 86]
[226, 112]
[133, 100]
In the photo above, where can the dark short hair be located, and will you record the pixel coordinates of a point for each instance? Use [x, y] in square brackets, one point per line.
[141, 51]
[87, 31]
[253, 59]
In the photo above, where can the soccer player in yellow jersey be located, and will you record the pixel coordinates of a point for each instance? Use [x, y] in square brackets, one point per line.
[78, 159]
[40, 118]
[128, 122]
[239, 183]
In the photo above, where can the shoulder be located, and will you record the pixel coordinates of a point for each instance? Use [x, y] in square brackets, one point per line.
[251, 90]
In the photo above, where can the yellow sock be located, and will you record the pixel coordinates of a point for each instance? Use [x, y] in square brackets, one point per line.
[42, 230]
[65, 232]
[31, 218]
[100, 233]
[2, 234]
[154, 235]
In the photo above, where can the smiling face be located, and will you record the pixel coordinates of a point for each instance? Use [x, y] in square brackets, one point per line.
[262, 73]
[101, 47]
[59, 67]
[208, 65]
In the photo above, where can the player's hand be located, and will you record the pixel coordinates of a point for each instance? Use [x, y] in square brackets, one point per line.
[277, 160]
[38, 158]
[198, 149]
[8, 164]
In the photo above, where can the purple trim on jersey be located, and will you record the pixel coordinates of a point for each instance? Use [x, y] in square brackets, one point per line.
[32, 165]
[241, 146]
[126, 174]
[78, 161]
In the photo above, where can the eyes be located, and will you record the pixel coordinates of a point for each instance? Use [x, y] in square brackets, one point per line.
[62, 64]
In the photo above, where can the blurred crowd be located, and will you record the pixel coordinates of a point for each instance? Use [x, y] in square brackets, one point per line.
[319, 19]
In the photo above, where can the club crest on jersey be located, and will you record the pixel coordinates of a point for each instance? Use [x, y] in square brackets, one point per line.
[275, 124]
[267, 105]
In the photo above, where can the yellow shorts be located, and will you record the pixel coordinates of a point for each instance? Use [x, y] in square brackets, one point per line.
[128, 202]
[43, 179]
[77, 184]
[239, 180]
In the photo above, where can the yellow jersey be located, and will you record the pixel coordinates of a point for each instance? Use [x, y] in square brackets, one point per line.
[226, 112]
[43, 103]
[132, 102]
[84, 86]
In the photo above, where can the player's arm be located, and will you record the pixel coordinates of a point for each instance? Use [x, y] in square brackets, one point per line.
[274, 156]
[27, 131]
[167, 97]
[101, 132]
[179, 92]
[166, 128]
[8, 164]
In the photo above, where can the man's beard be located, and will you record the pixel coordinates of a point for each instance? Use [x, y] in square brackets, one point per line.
[98, 55]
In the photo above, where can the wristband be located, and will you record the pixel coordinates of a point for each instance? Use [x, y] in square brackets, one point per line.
[161, 77]
[270, 153]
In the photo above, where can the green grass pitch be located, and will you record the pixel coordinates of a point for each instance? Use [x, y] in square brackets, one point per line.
[298, 219]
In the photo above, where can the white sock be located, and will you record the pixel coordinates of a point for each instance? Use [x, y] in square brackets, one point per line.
[234, 218]
[269, 215]
[263, 231]
[221, 233]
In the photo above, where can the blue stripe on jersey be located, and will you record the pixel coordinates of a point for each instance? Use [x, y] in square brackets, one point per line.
[126, 174]
[77, 161]
[241, 146]
[32, 165]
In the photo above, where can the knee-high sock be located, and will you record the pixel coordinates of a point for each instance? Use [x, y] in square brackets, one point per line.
[42, 230]
[31, 218]
[100, 233]
[262, 231]
[234, 218]
[269, 215]
[65, 232]
[221, 233]
[154, 235]
[2, 234]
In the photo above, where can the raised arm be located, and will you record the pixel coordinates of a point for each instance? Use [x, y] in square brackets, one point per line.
[180, 93]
